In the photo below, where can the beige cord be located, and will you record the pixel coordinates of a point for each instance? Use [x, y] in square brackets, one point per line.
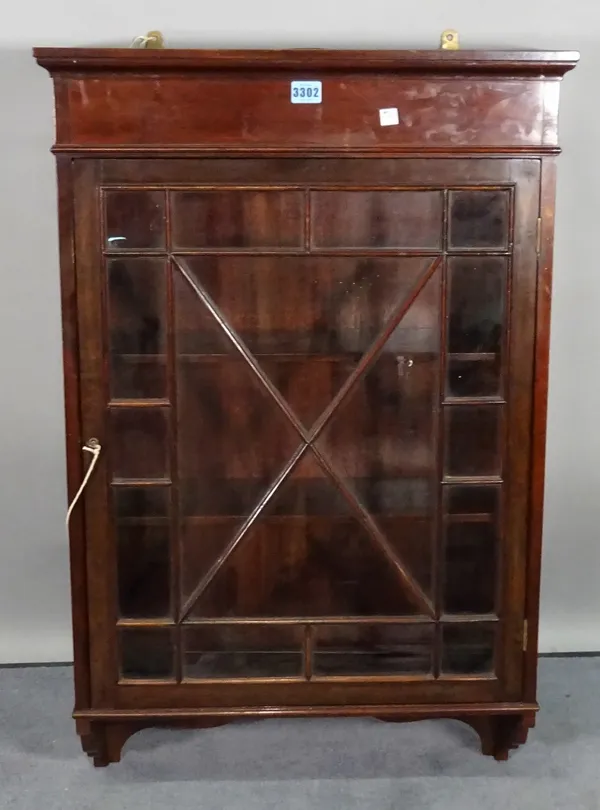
[94, 448]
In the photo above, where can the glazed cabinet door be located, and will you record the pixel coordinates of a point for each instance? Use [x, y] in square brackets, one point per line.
[312, 382]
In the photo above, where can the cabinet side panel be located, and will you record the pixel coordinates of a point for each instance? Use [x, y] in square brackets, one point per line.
[540, 402]
[92, 358]
[64, 173]
[519, 396]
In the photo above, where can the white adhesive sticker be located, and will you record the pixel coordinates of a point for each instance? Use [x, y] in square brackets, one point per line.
[388, 117]
[306, 92]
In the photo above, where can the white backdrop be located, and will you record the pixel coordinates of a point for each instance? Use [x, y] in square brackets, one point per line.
[34, 591]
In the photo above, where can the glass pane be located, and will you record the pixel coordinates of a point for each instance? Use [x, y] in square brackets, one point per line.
[138, 376]
[372, 649]
[237, 219]
[138, 447]
[468, 649]
[412, 538]
[479, 219]
[474, 378]
[471, 532]
[238, 651]
[142, 530]
[476, 324]
[233, 438]
[306, 555]
[382, 439]
[134, 502]
[135, 219]
[375, 219]
[146, 653]
[307, 320]
[477, 287]
[470, 567]
[473, 439]
[137, 327]
[472, 500]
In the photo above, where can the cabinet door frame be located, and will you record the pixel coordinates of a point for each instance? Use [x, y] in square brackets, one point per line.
[94, 542]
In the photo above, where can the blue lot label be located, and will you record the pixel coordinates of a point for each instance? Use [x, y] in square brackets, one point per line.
[306, 92]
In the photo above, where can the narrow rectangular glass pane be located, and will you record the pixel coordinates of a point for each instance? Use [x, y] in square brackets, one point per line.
[473, 440]
[471, 548]
[468, 649]
[233, 441]
[243, 651]
[479, 219]
[470, 567]
[381, 438]
[146, 653]
[476, 325]
[372, 649]
[134, 220]
[137, 315]
[138, 447]
[376, 219]
[237, 219]
[141, 517]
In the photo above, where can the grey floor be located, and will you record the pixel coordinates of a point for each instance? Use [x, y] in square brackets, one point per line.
[317, 764]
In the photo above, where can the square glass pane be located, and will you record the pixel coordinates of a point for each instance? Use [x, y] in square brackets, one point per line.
[479, 219]
[376, 219]
[134, 220]
[147, 653]
[237, 219]
[138, 445]
[137, 327]
[468, 649]
[473, 440]
[141, 517]
[372, 649]
[243, 651]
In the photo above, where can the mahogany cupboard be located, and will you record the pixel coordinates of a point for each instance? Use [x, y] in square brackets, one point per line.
[306, 314]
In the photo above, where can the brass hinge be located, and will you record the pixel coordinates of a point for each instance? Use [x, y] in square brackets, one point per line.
[525, 634]
[153, 40]
[538, 238]
[450, 41]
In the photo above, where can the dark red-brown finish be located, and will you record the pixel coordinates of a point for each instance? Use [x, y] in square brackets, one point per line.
[314, 350]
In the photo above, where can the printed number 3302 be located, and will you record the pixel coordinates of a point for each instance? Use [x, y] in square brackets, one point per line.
[306, 92]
